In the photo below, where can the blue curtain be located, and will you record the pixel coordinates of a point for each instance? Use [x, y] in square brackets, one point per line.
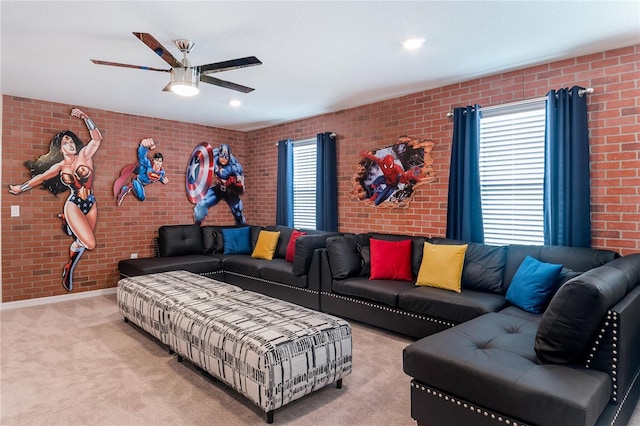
[464, 212]
[326, 183]
[284, 195]
[567, 214]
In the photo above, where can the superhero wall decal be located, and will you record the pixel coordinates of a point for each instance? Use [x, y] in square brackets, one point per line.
[69, 166]
[134, 177]
[388, 177]
[213, 175]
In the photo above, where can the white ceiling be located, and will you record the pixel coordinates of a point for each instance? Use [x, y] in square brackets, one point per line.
[318, 57]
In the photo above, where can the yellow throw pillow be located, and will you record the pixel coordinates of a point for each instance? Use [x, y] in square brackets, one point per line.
[266, 245]
[442, 266]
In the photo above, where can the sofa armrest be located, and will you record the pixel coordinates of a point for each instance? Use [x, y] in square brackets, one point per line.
[615, 348]
[576, 310]
[305, 246]
[326, 276]
[314, 277]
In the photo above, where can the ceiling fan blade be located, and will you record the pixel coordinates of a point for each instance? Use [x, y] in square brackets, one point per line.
[159, 49]
[117, 64]
[225, 84]
[232, 64]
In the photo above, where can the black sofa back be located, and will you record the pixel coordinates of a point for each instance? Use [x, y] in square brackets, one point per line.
[486, 268]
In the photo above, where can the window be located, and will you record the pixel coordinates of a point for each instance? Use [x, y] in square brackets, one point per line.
[304, 184]
[512, 173]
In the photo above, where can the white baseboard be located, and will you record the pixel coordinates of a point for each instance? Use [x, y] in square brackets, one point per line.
[56, 299]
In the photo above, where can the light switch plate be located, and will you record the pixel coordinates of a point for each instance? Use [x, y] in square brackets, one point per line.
[15, 211]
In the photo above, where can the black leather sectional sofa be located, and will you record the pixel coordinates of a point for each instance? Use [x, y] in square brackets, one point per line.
[477, 359]
[200, 250]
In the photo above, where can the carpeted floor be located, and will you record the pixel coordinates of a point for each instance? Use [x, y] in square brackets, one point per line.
[78, 363]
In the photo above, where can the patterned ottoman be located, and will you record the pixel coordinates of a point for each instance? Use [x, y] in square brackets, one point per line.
[268, 350]
[147, 300]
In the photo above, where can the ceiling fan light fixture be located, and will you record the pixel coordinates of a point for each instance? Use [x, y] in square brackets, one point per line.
[184, 81]
[185, 78]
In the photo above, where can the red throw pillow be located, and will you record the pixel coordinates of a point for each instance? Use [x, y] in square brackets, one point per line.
[291, 247]
[390, 260]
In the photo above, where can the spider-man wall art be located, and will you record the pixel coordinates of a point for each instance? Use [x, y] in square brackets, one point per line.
[388, 177]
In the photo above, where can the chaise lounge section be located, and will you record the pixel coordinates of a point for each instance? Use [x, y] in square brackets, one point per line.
[577, 363]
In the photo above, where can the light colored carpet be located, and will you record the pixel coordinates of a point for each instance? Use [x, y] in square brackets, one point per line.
[78, 363]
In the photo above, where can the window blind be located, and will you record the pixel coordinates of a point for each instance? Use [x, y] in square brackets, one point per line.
[304, 184]
[512, 174]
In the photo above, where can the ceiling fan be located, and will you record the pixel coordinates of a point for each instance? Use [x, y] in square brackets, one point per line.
[184, 77]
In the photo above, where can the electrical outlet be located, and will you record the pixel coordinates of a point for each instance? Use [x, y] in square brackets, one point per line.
[15, 211]
[134, 255]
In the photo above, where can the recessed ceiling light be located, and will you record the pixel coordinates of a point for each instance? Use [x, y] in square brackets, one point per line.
[413, 43]
[235, 103]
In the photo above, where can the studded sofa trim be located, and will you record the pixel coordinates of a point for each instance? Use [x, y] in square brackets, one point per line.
[473, 413]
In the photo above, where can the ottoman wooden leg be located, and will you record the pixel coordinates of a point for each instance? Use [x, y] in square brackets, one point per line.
[180, 358]
[270, 416]
[339, 384]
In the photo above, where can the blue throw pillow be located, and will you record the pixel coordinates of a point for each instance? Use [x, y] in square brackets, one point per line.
[533, 284]
[237, 240]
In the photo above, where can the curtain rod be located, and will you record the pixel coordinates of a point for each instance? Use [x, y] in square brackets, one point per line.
[527, 101]
[332, 136]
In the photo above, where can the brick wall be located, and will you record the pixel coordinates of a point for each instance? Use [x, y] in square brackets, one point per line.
[614, 122]
[35, 249]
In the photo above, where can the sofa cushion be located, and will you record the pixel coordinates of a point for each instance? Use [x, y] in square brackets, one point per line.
[214, 233]
[490, 360]
[208, 239]
[290, 253]
[484, 267]
[281, 271]
[196, 263]
[306, 247]
[254, 234]
[579, 259]
[283, 240]
[574, 313]
[180, 240]
[237, 240]
[416, 248]
[243, 264]
[266, 245]
[442, 266]
[390, 260]
[449, 305]
[365, 260]
[380, 291]
[533, 284]
[343, 256]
